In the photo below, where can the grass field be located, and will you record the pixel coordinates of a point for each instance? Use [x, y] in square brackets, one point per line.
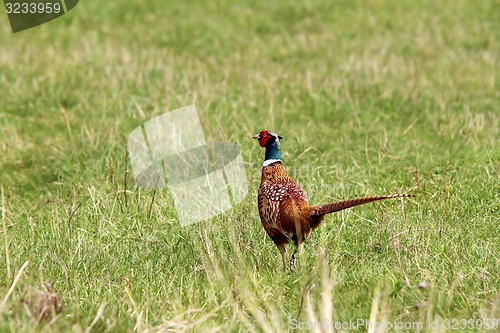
[371, 97]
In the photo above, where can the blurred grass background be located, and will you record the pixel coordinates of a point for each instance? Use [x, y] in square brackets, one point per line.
[371, 97]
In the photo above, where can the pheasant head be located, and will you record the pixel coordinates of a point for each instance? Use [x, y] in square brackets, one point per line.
[270, 141]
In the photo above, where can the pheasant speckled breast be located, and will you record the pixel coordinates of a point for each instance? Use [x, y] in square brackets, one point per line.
[283, 207]
[281, 201]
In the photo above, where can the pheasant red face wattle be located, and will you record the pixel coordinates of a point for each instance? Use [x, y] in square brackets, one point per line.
[266, 137]
[263, 137]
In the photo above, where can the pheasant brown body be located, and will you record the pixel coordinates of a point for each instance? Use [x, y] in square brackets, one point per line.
[283, 207]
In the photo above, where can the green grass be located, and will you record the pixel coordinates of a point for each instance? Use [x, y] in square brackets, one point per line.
[371, 97]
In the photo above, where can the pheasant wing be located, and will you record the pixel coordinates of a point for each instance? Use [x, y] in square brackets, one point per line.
[277, 202]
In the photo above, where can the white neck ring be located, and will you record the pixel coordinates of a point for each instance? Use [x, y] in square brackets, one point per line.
[267, 162]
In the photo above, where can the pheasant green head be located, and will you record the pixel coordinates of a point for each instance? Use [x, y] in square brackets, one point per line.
[271, 141]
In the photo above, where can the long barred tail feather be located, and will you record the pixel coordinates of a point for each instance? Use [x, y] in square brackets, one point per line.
[341, 205]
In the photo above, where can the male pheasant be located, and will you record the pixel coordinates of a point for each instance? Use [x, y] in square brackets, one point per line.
[283, 207]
